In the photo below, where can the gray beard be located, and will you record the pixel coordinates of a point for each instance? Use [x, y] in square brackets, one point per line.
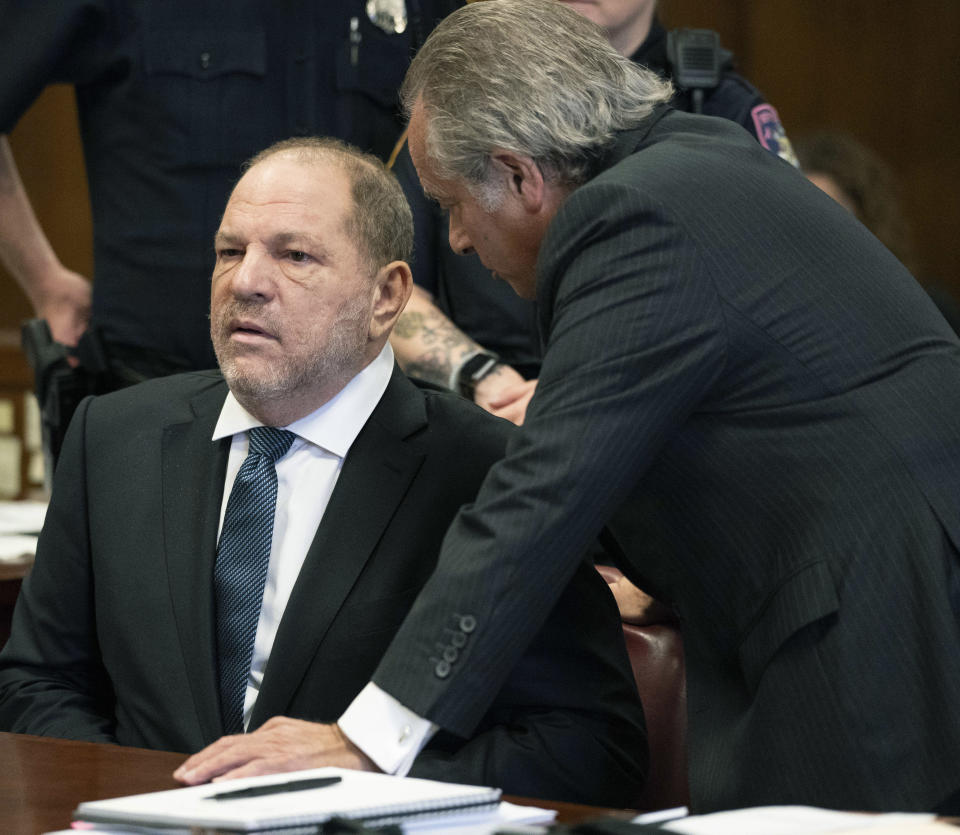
[330, 369]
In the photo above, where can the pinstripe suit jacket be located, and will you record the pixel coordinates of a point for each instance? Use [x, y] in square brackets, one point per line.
[764, 404]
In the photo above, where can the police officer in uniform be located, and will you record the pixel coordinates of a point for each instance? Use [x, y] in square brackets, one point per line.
[172, 96]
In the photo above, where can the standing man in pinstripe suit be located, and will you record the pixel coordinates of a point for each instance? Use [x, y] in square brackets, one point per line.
[741, 380]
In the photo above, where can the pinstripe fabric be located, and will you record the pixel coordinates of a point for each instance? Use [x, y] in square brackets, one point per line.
[240, 571]
[762, 403]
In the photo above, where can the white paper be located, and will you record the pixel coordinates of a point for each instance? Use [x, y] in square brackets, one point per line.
[789, 820]
[358, 794]
[485, 823]
[22, 517]
[14, 547]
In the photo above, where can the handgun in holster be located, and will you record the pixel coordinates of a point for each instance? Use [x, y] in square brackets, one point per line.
[59, 384]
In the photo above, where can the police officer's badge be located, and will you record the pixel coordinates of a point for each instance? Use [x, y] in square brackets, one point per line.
[771, 134]
[388, 15]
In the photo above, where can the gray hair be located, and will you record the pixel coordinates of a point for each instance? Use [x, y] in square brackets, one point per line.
[381, 221]
[529, 76]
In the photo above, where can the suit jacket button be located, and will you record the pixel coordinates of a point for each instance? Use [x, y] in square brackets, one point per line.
[442, 669]
[458, 639]
[450, 654]
[468, 623]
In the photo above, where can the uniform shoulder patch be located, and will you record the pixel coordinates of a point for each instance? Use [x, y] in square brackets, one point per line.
[770, 133]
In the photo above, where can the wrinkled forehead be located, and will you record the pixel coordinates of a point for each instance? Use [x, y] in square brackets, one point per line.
[434, 186]
[286, 187]
[291, 178]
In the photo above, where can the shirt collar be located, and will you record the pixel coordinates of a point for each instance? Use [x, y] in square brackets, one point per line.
[336, 424]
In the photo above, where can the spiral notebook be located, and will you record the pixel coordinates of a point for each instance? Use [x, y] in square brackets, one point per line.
[376, 799]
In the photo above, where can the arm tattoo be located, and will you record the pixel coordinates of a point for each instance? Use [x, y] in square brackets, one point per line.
[435, 346]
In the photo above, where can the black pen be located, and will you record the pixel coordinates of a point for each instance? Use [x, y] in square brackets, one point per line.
[276, 788]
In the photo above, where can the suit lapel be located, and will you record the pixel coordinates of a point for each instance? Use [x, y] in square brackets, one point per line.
[192, 489]
[376, 475]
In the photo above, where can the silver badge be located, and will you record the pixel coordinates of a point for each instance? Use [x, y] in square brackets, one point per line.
[389, 15]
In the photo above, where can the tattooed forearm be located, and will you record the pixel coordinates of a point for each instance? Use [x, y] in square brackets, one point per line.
[428, 345]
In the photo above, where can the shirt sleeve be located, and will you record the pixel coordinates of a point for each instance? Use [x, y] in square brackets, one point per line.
[65, 42]
[389, 733]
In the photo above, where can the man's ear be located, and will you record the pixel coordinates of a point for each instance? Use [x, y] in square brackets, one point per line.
[525, 180]
[392, 288]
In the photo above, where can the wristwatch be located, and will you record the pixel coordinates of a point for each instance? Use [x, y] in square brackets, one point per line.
[474, 370]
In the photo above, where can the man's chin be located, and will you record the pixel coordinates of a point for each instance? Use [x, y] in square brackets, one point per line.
[525, 289]
[249, 380]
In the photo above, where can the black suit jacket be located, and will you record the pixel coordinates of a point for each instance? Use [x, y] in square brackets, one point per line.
[114, 636]
[765, 404]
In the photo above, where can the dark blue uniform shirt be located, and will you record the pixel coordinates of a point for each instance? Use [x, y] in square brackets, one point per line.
[173, 96]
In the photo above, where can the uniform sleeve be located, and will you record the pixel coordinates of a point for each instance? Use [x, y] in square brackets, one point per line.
[51, 680]
[636, 338]
[739, 101]
[49, 42]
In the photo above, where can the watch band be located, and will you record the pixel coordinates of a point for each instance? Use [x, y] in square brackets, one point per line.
[475, 369]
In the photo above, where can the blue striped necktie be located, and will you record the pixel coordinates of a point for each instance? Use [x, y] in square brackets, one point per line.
[240, 572]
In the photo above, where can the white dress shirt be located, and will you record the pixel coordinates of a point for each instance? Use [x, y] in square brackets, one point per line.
[389, 733]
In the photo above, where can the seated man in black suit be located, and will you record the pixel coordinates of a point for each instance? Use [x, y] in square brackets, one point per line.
[201, 574]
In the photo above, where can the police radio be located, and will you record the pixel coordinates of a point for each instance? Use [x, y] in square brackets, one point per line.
[697, 61]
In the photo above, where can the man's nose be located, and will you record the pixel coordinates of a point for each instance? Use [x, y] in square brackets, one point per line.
[253, 276]
[459, 240]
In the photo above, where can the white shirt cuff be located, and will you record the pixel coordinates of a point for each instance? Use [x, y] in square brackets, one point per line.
[386, 731]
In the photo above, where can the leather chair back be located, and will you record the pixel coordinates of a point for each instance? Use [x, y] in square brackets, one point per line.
[656, 655]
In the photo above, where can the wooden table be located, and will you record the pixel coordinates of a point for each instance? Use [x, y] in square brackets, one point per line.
[42, 781]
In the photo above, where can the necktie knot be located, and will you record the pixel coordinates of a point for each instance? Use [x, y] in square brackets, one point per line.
[270, 442]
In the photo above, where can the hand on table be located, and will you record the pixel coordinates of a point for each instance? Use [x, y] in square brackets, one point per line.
[280, 744]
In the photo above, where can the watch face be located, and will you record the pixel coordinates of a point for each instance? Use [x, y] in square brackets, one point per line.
[388, 15]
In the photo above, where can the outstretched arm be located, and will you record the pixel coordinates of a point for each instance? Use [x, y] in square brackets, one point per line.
[280, 744]
[57, 294]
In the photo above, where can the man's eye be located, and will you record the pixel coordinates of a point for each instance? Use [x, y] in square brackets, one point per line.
[297, 256]
[229, 253]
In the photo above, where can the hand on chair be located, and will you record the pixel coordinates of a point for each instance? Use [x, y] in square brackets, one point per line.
[638, 607]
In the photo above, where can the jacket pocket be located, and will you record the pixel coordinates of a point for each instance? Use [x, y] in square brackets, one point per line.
[209, 89]
[206, 56]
